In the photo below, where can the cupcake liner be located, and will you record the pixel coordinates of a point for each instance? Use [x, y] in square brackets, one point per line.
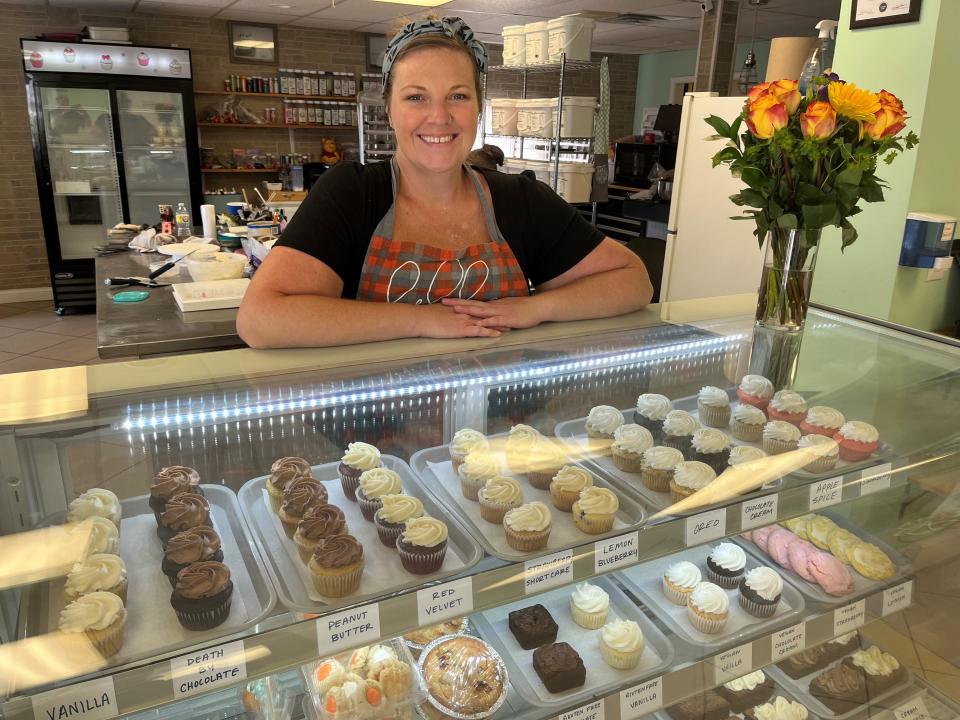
[494, 512]
[337, 582]
[422, 562]
[275, 494]
[822, 465]
[388, 534]
[289, 523]
[618, 658]
[776, 447]
[746, 432]
[588, 620]
[109, 640]
[730, 582]
[792, 418]
[712, 416]
[628, 462]
[597, 435]
[526, 540]
[540, 480]
[457, 459]
[349, 482]
[760, 610]
[711, 625]
[205, 619]
[305, 548]
[368, 506]
[564, 499]
[656, 480]
[594, 524]
[678, 493]
[675, 594]
[471, 488]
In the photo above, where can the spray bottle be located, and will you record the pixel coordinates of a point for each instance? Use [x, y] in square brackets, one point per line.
[820, 61]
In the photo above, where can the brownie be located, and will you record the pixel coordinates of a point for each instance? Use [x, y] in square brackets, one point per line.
[876, 684]
[533, 626]
[805, 662]
[559, 666]
[836, 650]
[708, 705]
[741, 700]
[842, 688]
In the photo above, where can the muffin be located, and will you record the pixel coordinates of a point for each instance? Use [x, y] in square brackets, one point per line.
[755, 390]
[689, 477]
[779, 436]
[95, 502]
[725, 565]
[201, 596]
[651, 411]
[172, 481]
[98, 535]
[680, 579]
[391, 518]
[858, 440]
[824, 452]
[743, 454]
[299, 496]
[595, 510]
[100, 616]
[359, 457]
[519, 443]
[282, 472]
[198, 544]
[422, 545]
[602, 421]
[101, 571]
[760, 591]
[464, 442]
[777, 709]
[747, 691]
[183, 512]
[396, 678]
[318, 523]
[464, 676]
[532, 626]
[527, 528]
[544, 460]
[589, 606]
[822, 420]
[713, 407]
[476, 469]
[629, 443]
[712, 447]
[374, 484]
[748, 422]
[559, 667]
[708, 608]
[621, 644]
[566, 486]
[336, 565]
[657, 467]
[677, 430]
[499, 495]
[871, 562]
[788, 406]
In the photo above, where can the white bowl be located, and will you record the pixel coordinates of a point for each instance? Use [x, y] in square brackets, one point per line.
[219, 266]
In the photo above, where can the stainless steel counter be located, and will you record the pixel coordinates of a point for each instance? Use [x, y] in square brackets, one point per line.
[155, 326]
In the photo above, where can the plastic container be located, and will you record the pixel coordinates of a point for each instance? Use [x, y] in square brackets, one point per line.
[575, 182]
[536, 43]
[514, 45]
[216, 266]
[570, 34]
[577, 120]
[503, 116]
[535, 116]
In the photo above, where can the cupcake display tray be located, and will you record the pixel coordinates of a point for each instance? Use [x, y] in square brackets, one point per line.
[492, 626]
[152, 627]
[435, 467]
[382, 571]
[778, 691]
[861, 585]
[645, 581]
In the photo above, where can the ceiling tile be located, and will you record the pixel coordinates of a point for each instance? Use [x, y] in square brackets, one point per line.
[316, 21]
[297, 8]
[212, 5]
[366, 10]
[504, 7]
[270, 18]
[95, 4]
[169, 8]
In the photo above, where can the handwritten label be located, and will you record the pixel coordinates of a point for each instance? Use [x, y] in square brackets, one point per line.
[849, 618]
[547, 572]
[94, 700]
[733, 663]
[914, 709]
[759, 512]
[826, 492]
[593, 711]
[442, 602]
[897, 598]
[208, 670]
[788, 641]
[641, 699]
[359, 626]
[616, 552]
[706, 527]
[875, 479]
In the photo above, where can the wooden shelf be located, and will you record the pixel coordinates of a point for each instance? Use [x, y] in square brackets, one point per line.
[335, 98]
[275, 125]
[232, 171]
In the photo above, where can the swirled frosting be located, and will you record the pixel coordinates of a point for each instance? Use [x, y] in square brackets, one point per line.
[302, 494]
[425, 532]
[693, 474]
[193, 545]
[729, 556]
[572, 478]
[95, 502]
[709, 598]
[529, 517]
[788, 401]
[712, 396]
[596, 500]
[380, 481]
[744, 453]
[680, 423]
[174, 480]
[855, 430]
[825, 417]
[709, 440]
[103, 534]
[337, 551]
[502, 490]
[287, 469]
[590, 598]
[466, 440]
[653, 406]
[479, 466]
[661, 457]
[398, 508]
[765, 582]
[746, 682]
[100, 571]
[202, 579]
[756, 385]
[845, 638]
[186, 511]
[632, 438]
[820, 445]
[322, 521]
[93, 611]
[544, 456]
[604, 419]
[781, 430]
[748, 415]
[780, 709]
[622, 635]
[522, 436]
[875, 661]
[361, 456]
[683, 574]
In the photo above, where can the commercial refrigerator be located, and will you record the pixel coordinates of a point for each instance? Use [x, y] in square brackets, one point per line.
[114, 136]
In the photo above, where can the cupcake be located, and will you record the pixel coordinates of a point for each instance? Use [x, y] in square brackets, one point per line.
[743, 454]
[629, 443]
[476, 469]
[282, 472]
[318, 523]
[464, 442]
[336, 565]
[824, 452]
[374, 484]
[822, 420]
[527, 527]
[101, 571]
[183, 512]
[359, 457]
[712, 447]
[621, 644]
[519, 443]
[688, 478]
[657, 468]
[198, 544]
[566, 486]
[858, 440]
[202, 594]
[679, 581]
[651, 411]
[747, 691]
[602, 421]
[713, 407]
[98, 535]
[755, 390]
[595, 510]
[788, 406]
[391, 518]
[422, 545]
[544, 460]
[677, 430]
[172, 481]
[95, 502]
[725, 565]
[760, 591]
[748, 422]
[589, 605]
[708, 608]
[100, 616]
[779, 436]
[499, 495]
[299, 496]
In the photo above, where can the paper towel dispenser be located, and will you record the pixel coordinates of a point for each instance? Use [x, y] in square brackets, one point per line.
[926, 237]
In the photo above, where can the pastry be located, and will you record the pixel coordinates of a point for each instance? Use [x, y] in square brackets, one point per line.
[559, 667]
[713, 407]
[657, 467]
[101, 571]
[95, 502]
[336, 565]
[378, 657]
[629, 443]
[708, 705]
[360, 456]
[842, 688]
[589, 606]
[198, 544]
[743, 454]
[396, 679]
[843, 645]
[651, 411]
[822, 450]
[621, 644]
[328, 674]
[680, 579]
[422, 545]
[840, 542]
[544, 460]
[374, 484]
[725, 565]
[318, 523]
[748, 422]
[777, 709]
[805, 662]
[677, 430]
[798, 555]
[800, 526]
[499, 495]
[298, 497]
[183, 512]
[595, 510]
[747, 691]
[464, 675]
[527, 527]
[708, 608]
[761, 536]
[830, 574]
[780, 436]
[822, 420]
[778, 546]
[172, 481]
[464, 442]
[788, 406]
[532, 626]
[755, 390]
[819, 529]
[391, 518]
[100, 616]
[712, 447]
[425, 636]
[201, 596]
[689, 477]
[347, 697]
[358, 660]
[519, 443]
[476, 469]
[602, 421]
[880, 669]
[282, 472]
[858, 440]
[98, 534]
[566, 486]
[871, 562]
[760, 591]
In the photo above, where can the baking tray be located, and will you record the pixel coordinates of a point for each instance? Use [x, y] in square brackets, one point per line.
[152, 627]
[939, 706]
[492, 626]
[289, 573]
[439, 477]
[861, 585]
[645, 581]
[778, 690]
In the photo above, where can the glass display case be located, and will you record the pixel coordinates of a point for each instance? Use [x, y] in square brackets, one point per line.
[829, 565]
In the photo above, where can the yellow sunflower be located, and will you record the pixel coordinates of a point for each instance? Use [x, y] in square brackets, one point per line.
[852, 102]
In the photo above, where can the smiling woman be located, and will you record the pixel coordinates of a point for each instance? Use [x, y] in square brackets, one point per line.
[427, 246]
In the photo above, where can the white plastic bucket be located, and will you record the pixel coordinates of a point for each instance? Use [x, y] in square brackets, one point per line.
[577, 120]
[503, 116]
[514, 45]
[535, 116]
[570, 34]
[536, 43]
[575, 182]
[542, 169]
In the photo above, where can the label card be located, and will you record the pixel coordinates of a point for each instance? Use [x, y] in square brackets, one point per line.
[593, 711]
[759, 511]
[826, 492]
[547, 572]
[94, 700]
[788, 641]
[641, 699]
[706, 527]
[914, 709]
[875, 479]
[616, 552]
[208, 670]
[849, 618]
[347, 629]
[897, 598]
[732, 663]
[442, 602]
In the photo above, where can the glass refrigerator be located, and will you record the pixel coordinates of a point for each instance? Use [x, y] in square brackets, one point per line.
[114, 137]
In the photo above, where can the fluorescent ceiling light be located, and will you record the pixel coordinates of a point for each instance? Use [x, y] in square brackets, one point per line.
[254, 43]
[420, 3]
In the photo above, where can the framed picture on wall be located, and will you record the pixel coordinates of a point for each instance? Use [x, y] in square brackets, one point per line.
[871, 13]
[376, 47]
[252, 42]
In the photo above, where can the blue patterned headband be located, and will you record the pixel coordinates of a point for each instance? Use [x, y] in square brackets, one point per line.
[452, 27]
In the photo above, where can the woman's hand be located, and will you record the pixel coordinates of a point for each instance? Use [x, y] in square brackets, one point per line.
[438, 321]
[508, 312]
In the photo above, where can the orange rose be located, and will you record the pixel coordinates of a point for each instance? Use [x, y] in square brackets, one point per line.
[756, 91]
[765, 116]
[818, 121]
[889, 120]
[787, 92]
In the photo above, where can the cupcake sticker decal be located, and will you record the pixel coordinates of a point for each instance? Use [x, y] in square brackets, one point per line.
[69, 54]
[175, 67]
[143, 59]
[36, 60]
[106, 62]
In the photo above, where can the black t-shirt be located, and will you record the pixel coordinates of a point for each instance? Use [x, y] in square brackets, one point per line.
[337, 219]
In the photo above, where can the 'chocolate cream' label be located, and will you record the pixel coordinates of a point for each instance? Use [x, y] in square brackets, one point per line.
[759, 511]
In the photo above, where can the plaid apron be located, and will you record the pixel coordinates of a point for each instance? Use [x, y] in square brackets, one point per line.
[410, 272]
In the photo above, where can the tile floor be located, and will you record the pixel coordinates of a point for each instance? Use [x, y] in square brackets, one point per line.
[34, 337]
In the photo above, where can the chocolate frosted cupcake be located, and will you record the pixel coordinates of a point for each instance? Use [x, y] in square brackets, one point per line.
[651, 411]
[319, 522]
[677, 430]
[201, 595]
[374, 484]
[391, 518]
[359, 457]
[299, 496]
[283, 472]
[171, 481]
[199, 544]
[337, 565]
[183, 512]
[422, 545]
[712, 447]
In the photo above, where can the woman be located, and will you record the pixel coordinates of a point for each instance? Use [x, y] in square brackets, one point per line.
[426, 246]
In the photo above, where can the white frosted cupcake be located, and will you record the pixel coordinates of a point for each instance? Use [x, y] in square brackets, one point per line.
[677, 431]
[519, 443]
[544, 460]
[748, 422]
[689, 477]
[708, 608]
[679, 581]
[725, 565]
[477, 468]
[595, 510]
[779, 436]
[464, 442]
[589, 605]
[712, 447]
[358, 458]
[629, 443]
[657, 467]
[787, 405]
[98, 535]
[95, 502]
[101, 571]
[651, 411]
[621, 644]
[602, 421]
[824, 452]
[755, 390]
[374, 484]
[760, 591]
[527, 527]
[713, 407]
[100, 616]
[499, 495]
[822, 420]
[743, 454]
[566, 486]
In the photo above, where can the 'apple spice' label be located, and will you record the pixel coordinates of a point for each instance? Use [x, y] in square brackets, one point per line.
[641, 699]
[826, 493]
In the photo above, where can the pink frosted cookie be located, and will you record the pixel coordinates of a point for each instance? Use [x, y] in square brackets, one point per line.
[747, 535]
[761, 535]
[778, 546]
[799, 554]
[830, 574]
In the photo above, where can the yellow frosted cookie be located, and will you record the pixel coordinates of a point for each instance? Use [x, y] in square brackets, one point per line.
[871, 562]
[840, 542]
[800, 526]
[819, 529]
